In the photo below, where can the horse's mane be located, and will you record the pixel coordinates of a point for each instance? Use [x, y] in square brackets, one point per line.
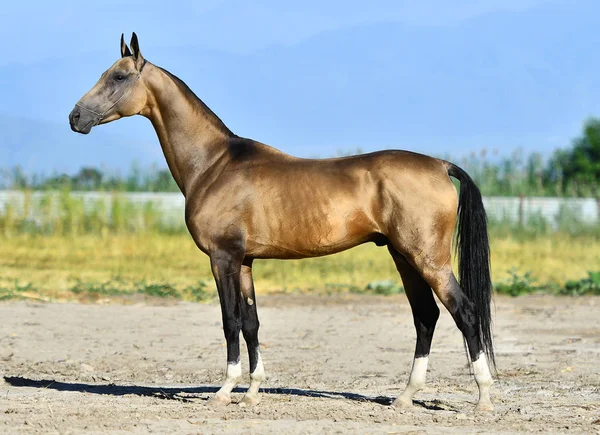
[185, 89]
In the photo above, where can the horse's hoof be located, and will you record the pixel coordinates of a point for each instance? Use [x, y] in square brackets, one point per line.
[403, 403]
[219, 400]
[250, 400]
[484, 407]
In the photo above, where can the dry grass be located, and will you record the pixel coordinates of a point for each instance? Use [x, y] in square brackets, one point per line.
[54, 264]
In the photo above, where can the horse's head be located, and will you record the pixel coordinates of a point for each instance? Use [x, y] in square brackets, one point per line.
[118, 93]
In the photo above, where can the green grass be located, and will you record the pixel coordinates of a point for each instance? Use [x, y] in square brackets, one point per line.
[121, 290]
[159, 265]
[112, 289]
[16, 291]
[585, 286]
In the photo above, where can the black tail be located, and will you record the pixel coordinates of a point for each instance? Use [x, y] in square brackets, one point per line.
[474, 256]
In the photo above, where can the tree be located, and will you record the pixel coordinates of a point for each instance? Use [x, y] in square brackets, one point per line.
[88, 178]
[578, 169]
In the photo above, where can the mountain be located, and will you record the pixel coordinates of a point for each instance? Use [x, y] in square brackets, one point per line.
[39, 146]
[489, 82]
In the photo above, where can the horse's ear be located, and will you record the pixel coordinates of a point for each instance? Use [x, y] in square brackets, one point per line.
[137, 54]
[124, 48]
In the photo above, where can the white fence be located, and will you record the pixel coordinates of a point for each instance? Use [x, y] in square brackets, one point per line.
[525, 209]
[33, 205]
[171, 205]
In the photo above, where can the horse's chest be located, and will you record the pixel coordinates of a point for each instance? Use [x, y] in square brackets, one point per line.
[211, 229]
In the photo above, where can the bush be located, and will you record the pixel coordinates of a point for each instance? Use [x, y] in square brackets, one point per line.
[585, 286]
[517, 284]
[386, 287]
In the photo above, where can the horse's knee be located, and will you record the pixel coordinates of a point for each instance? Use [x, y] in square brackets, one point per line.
[231, 326]
[250, 329]
[427, 317]
[464, 316]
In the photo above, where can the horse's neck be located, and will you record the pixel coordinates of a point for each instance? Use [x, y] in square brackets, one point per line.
[191, 136]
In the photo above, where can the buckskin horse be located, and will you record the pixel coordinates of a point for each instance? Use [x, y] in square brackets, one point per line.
[245, 200]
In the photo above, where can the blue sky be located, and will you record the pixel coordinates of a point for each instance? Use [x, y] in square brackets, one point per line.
[59, 29]
[312, 78]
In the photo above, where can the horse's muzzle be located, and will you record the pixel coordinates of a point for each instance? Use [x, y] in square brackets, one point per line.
[81, 122]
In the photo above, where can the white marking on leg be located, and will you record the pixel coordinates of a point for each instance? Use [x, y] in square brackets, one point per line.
[415, 383]
[250, 301]
[484, 380]
[256, 378]
[258, 375]
[234, 374]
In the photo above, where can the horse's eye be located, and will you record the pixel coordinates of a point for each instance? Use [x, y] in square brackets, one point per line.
[119, 77]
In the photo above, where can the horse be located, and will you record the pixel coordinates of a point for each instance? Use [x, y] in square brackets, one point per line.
[245, 200]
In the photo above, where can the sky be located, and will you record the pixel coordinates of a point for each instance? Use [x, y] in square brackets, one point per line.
[313, 78]
[60, 29]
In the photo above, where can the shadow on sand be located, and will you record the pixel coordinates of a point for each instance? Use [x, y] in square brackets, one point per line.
[188, 394]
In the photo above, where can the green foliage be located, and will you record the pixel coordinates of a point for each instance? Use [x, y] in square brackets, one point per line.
[578, 168]
[569, 172]
[199, 292]
[517, 284]
[16, 291]
[333, 288]
[138, 179]
[116, 287]
[386, 287]
[162, 290]
[585, 286]
[108, 288]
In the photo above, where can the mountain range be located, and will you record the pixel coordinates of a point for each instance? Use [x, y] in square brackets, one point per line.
[486, 83]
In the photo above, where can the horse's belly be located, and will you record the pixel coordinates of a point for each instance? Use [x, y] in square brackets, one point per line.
[306, 237]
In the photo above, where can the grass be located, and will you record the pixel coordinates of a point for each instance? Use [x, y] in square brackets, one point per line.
[57, 246]
[163, 265]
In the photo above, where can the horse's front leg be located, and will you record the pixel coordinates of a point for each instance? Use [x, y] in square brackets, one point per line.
[226, 270]
[250, 325]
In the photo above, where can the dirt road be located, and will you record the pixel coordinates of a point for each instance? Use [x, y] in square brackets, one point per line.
[333, 365]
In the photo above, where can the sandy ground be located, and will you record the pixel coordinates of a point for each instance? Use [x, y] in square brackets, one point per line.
[333, 363]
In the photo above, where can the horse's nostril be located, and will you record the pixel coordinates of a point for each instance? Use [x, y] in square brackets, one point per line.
[74, 117]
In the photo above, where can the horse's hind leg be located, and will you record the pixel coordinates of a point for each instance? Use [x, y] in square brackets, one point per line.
[425, 314]
[463, 312]
[444, 284]
[250, 325]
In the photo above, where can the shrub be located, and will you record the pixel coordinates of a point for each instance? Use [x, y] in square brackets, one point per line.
[585, 286]
[517, 284]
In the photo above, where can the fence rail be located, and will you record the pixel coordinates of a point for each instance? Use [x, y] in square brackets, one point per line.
[33, 205]
[525, 209]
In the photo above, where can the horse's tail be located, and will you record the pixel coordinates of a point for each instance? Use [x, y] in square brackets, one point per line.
[474, 257]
